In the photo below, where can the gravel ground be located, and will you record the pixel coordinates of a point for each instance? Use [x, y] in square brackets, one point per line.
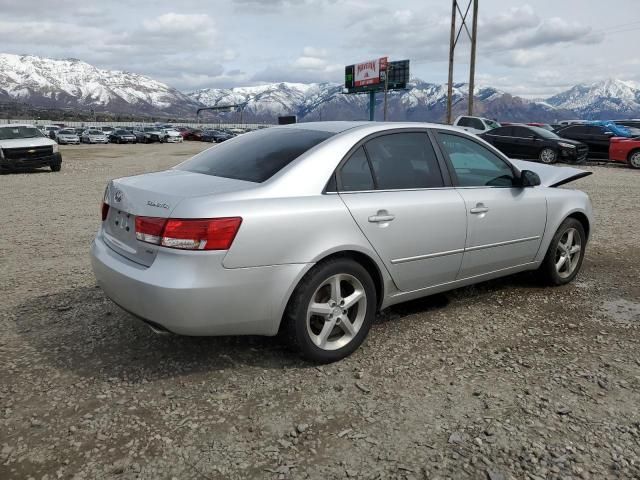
[503, 380]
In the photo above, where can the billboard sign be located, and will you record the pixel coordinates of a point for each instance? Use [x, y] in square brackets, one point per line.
[370, 76]
[368, 73]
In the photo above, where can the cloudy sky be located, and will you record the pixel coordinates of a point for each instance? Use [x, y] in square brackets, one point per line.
[533, 48]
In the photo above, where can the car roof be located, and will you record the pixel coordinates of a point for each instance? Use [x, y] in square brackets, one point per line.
[343, 126]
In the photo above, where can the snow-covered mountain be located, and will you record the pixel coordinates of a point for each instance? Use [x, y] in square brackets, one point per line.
[605, 99]
[72, 83]
[421, 101]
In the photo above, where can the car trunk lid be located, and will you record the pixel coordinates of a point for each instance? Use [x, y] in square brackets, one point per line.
[153, 195]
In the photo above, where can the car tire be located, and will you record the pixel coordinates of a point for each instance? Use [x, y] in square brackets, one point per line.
[560, 266]
[305, 330]
[634, 159]
[548, 156]
[55, 167]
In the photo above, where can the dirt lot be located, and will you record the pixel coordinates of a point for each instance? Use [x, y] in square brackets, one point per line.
[503, 380]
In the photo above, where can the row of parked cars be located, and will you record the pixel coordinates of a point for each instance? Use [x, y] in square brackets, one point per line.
[570, 142]
[140, 134]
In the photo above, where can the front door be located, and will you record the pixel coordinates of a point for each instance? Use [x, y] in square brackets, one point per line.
[416, 222]
[505, 222]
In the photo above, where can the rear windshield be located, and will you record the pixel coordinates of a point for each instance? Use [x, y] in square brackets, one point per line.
[256, 156]
[10, 133]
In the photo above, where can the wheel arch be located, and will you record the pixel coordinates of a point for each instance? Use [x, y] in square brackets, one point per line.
[584, 221]
[364, 259]
[631, 152]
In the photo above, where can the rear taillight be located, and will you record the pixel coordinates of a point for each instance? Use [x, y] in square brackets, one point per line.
[188, 234]
[105, 211]
[104, 208]
[149, 229]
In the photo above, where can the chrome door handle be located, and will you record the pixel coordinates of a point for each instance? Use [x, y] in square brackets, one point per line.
[381, 218]
[479, 209]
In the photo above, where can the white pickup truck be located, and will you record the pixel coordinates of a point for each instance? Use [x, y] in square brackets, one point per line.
[475, 125]
[24, 146]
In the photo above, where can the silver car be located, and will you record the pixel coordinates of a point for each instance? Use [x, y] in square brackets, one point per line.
[310, 229]
[67, 136]
[94, 136]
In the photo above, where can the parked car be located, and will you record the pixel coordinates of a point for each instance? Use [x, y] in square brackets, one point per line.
[368, 215]
[122, 136]
[172, 136]
[475, 125]
[214, 136]
[106, 129]
[94, 136]
[625, 150]
[25, 146]
[79, 130]
[523, 141]
[67, 136]
[50, 131]
[629, 123]
[184, 131]
[153, 134]
[141, 137]
[193, 134]
[596, 137]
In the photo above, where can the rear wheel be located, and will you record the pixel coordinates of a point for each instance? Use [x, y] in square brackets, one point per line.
[634, 159]
[331, 311]
[548, 155]
[564, 257]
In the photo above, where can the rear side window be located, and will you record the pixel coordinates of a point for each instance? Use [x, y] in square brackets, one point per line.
[255, 156]
[464, 122]
[355, 174]
[522, 132]
[404, 160]
[502, 132]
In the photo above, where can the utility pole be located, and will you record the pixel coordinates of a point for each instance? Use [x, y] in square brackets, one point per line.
[472, 66]
[453, 42]
[452, 48]
[372, 105]
[386, 88]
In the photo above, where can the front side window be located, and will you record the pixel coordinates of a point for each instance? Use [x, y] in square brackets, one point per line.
[475, 165]
[403, 161]
[355, 174]
[464, 122]
[255, 156]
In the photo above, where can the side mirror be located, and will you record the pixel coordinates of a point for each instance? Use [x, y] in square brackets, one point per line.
[529, 179]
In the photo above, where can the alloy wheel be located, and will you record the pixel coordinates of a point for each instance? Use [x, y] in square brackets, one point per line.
[568, 253]
[336, 311]
[548, 156]
[634, 160]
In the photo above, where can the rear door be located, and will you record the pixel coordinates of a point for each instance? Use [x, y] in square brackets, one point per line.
[505, 222]
[502, 139]
[525, 145]
[403, 202]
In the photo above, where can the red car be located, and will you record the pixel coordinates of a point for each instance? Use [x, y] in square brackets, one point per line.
[625, 150]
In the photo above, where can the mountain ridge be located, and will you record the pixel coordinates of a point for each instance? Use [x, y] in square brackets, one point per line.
[74, 84]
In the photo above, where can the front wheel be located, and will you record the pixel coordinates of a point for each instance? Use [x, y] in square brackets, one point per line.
[564, 257]
[55, 167]
[548, 155]
[634, 159]
[331, 311]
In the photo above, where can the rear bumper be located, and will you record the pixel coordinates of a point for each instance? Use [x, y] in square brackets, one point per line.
[191, 293]
[31, 162]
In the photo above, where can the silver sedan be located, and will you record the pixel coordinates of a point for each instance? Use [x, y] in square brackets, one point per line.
[310, 229]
